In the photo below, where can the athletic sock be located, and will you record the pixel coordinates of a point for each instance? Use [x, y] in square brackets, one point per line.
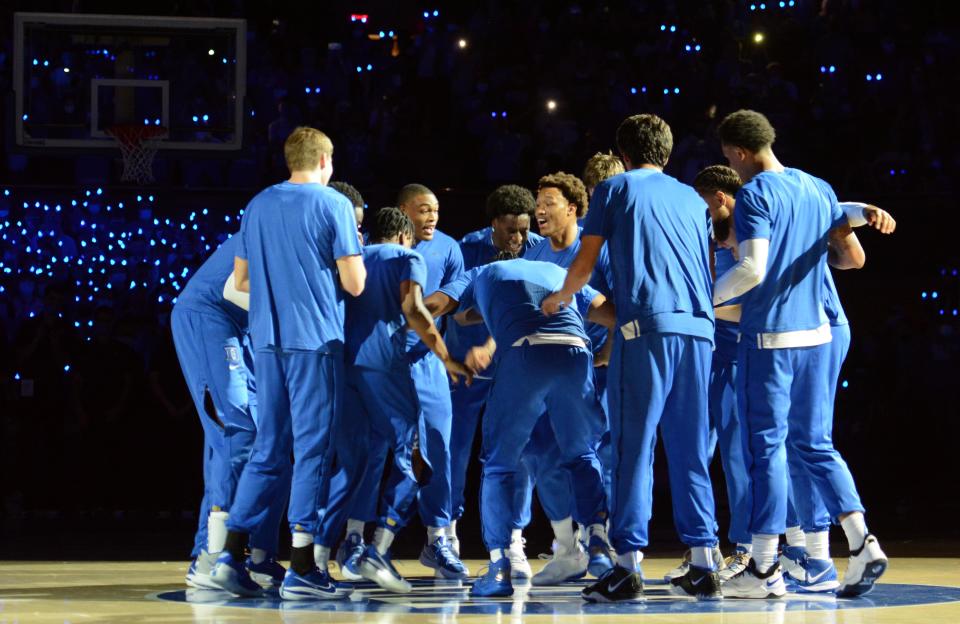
[236, 545]
[301, 559]
[321, 556]
[496, 555]
[216, 531]
[598, 530]
[765, 551]
[795, 537]
[355, 527]
[566, 539]
[258, 555]
[747, 548]
[855, 527]
[516, 536]
[818, 544]
[435, 533]
[383, 539]
[301, 539]
[630, 561]
[702, 557]
[451, 531]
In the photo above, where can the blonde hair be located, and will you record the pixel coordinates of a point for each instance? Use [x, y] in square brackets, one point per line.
[600, 167]
[304, 147]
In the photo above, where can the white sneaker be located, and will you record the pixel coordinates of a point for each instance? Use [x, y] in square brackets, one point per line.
[198, 574]
[734, 565]
[563, 566]
[752, 584]
[865, 566]
[519, 566]
[684, 566]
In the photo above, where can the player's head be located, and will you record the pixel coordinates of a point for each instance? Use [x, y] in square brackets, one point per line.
[644, 140]
[421, 205]
[351, 193]
[510, 209]
[561, 199]
[307, 150]
[745, 136]
[392, 225]
[718, 185]
[599, 168]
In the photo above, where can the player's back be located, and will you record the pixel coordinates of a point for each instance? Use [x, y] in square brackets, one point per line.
[291, 235]
[658, 241]
[375, 320]
[204, 291]
[795, 211]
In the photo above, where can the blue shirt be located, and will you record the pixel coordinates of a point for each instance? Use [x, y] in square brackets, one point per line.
[795, 212]
[658, 241]
[477, 249]
[374, 336]
[444, 264]
[601, 280]
[831, 302]
[508, 295]
[204, 292]
[291, 236]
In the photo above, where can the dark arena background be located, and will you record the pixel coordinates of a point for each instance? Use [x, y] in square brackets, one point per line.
[100, 443]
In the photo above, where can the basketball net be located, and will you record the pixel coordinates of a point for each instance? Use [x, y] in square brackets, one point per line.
[138, 146]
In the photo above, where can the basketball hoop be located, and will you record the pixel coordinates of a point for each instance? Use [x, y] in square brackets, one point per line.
[138, 146]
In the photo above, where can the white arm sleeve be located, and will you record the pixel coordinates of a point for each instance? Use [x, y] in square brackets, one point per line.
[745, 274]
[234, 296]
[854, 212]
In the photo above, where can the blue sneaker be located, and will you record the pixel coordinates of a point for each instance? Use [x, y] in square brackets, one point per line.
[812, 576]
[348, 557]
[440, 557]
[198, 574]
[601, 559]
[496, 581]
[268, 573]
[314, 586]
[232, 575]
[379, 569]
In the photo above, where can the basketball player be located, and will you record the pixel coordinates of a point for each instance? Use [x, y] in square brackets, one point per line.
[783, 221]
[356, 199]
[659, 370]
[296, 239]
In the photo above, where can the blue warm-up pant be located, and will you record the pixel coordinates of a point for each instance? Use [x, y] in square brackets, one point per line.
[784, 395]
[216, 359]
[299, 394]
[726, 431]
[660, 380]
[528, 381]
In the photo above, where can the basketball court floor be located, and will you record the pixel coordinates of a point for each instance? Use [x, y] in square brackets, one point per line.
[914, 590]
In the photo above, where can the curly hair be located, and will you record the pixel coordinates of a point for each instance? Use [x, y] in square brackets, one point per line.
[600, 167]
[747, 129]
[510, 199]
[645, 139]
[717, 178]
[348, 191]
[390, 222]
[570, 186]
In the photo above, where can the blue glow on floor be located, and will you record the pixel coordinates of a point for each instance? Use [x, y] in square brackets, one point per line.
[449, 597]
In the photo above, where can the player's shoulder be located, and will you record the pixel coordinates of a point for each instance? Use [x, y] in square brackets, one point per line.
[477, 237]
[536, 251]
[534, 239]
[441, 239]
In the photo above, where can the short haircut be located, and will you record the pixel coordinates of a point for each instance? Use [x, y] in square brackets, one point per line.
[304, 147]
[570, 187]
[645, 139]
[600, 167]
[747, 129]
[510, 199]
[410, 191]
[349, 191]
[505, 254]
[717, 178]
[391, 222]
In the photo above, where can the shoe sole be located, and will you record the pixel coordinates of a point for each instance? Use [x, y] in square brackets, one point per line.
[391, 584]
[198, 582]
[676, 590]
[768, 596]
[313, 594]
[542, 583]
[871, 574]
[600, 598]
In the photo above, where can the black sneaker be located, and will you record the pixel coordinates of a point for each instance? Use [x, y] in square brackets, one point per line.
[617, 585]
[697, 583]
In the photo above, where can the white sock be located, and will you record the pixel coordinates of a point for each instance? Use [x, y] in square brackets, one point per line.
[216, 531]
[599, 530]
[496, 555]
[855, 528]
[435, 533]
[383, 539]
[630, 561]
[765, 551]
[452, 530]
[301, 539]
[321, 556]
[795, 537]
[516, 536]
[818, 544]
[566, 539]
[747, 548]
[258, 555]
[702, 557]
[355, 527]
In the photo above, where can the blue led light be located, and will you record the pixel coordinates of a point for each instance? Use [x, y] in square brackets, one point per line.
[753, 7]
[832, 69]
[66, 368]
[25, 117]
[663, 27]
[879, 77]
[676, 90]
[436, 13]
[673, 28]
[359, 69]
[845, 384]
[934, 295]
[307, 90]
[206, 117]
[923, 295]
[369, 67]
[195, 119]
[869, 77]
[687, 47]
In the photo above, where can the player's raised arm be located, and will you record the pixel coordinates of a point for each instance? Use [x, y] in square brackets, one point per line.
[420, 321]
[241, 275]
[577, 275]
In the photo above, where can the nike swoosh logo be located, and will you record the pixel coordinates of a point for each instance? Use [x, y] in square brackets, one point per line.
[771, 584]
[814, 579]
[612, 587]
[698, 581]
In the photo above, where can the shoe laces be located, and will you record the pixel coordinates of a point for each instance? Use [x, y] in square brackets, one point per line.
[443, 552]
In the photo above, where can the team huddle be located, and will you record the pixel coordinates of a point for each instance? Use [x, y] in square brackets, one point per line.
[706, 315]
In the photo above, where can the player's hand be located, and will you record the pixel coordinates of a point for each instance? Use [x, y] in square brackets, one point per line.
[879, 219]
[603, 357]
[554, 303]
[478, 358]
[456, 370]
